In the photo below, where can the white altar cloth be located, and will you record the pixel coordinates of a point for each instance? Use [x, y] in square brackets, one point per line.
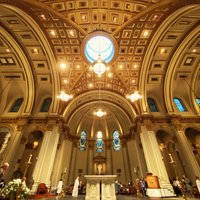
[100, 187]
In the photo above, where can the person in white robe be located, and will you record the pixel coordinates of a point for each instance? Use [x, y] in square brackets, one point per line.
[59, 187]
[76, 186]
[198, 183]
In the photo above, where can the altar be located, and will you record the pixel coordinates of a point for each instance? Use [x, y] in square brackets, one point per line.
[100, 187]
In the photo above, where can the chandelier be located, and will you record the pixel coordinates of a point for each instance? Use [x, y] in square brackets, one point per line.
[134, 96]
[64, 96]
[99, 66]
[100, 113]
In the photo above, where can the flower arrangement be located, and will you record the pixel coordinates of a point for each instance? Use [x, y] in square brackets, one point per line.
[16, 189]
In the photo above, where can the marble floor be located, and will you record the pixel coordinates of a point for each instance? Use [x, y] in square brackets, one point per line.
[121, 197]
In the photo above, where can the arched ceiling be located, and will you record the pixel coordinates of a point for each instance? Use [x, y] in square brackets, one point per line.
[158, 44]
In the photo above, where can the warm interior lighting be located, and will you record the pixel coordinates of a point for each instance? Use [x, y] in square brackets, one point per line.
[145, 33]
[43, 17]
[90, 85]
[53, 33]
[134, 96]
[99, 67]
[100, 113]
[35, 50]
[63, 65]
[162, 146]
[35, 144]
[64, 96]
[71, 32]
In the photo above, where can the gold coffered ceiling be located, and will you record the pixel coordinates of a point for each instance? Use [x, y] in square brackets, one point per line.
[153, 40]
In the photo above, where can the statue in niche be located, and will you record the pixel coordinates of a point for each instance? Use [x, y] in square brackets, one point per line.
[99, 168]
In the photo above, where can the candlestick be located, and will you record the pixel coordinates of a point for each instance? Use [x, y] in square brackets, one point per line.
[171, 158]
[27, 164]
[29, 160]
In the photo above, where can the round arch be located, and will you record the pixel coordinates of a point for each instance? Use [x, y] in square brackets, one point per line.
[151, 51]
[34, 27]
[80, 112]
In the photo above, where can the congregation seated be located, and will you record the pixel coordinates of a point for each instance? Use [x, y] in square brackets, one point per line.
[195, 192]
[132, 190]
[69, 189]
[82, 189]
[42, 189]
[125, 189]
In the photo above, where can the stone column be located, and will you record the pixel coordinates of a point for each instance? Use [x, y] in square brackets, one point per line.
[186, 148]
[109, 157]
[90, 163]
[62, 162]
[73, 173]
[154, 161]
[9, 155]
[43, 168]
[126, 172]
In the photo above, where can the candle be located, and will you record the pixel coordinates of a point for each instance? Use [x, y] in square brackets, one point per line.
[134, 169]
[29, 160]
[65, 170]
[171, 158]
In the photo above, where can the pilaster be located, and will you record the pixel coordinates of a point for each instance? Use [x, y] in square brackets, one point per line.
[154, 161]
[43, 168]
[186, 147]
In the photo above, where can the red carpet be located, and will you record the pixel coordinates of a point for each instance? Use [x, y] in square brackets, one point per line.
[40, 196]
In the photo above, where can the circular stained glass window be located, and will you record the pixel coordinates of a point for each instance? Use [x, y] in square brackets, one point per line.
[99, 47]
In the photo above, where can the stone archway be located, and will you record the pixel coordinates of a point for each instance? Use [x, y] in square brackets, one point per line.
[170, 154]
[27, 161]
[193, 136]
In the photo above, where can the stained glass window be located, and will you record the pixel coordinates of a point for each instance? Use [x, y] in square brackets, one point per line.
[116, 141]
[99, 46]
[16, 106]
[46, 105]
[198, 101]
[152, 105]
[99, 142]
[82, 141]
[179, 105]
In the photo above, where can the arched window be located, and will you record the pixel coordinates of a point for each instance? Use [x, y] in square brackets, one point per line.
[198, 101]
[16, 106]
[46, 105]
[116, 141]
[152, 105]
[179, 105]
[99, 142]
[82, 141]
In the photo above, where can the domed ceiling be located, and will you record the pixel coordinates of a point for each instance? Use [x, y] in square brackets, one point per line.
[157, 50]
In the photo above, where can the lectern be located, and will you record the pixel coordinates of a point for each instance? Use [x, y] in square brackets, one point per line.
[100, 187]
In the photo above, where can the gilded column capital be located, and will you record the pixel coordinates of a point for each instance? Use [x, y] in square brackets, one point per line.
[176, 121]
[145, 120]
[21, 123]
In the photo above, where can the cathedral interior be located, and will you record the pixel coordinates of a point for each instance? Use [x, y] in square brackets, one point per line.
[100, 87]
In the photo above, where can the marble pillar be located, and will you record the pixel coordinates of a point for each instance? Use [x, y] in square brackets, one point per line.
[155, 164]
[43, 168]
[188, 154]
